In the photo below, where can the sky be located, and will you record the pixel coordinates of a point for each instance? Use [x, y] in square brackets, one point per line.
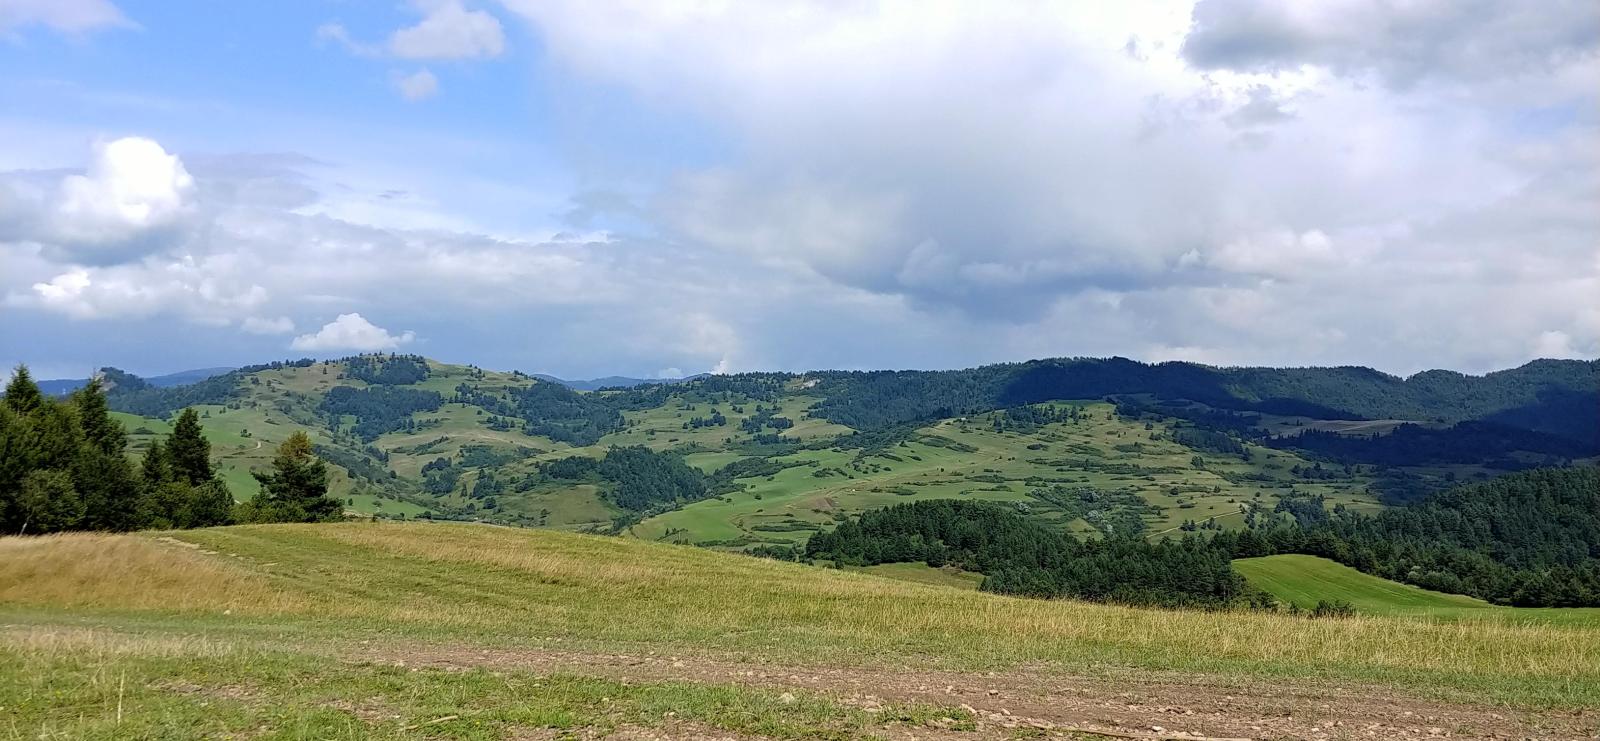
[658, 188]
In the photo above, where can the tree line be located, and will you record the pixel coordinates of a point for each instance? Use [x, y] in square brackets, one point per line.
[1023, 556]
[1530, 539]
[64, 466]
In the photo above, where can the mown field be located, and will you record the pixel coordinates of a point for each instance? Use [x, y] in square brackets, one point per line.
[1305, 580]
[386, 583]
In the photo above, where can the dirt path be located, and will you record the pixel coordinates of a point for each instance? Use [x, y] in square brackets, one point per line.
[1015, 702]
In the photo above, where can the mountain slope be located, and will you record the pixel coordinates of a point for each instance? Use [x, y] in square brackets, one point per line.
[786, 455]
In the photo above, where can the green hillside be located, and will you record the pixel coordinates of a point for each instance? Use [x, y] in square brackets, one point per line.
[409, 437]
[1306, 580]
[368, 629]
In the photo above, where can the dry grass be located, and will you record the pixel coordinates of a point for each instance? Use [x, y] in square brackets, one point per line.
[97, 570]
[501, 586]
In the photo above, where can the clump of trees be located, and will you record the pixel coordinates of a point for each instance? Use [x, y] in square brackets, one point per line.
[387, 370]
[64, 467]
[636, 478]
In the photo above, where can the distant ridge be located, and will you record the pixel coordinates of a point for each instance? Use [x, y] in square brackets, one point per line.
[64, 386]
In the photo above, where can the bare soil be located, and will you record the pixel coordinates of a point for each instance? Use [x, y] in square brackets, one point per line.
[1040, 703]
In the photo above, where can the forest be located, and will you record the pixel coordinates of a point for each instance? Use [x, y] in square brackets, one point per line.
[1024, 557]
[1530, 539]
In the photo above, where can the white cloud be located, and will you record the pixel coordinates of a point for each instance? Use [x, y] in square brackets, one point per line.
[132, 185]
[68, 16]
[416, 86]
[132, 199]
[450, 31]
[267, 326]
[351, 332]
[957, 184]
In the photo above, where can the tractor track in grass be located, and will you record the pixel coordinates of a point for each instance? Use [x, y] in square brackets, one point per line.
[1009, 703]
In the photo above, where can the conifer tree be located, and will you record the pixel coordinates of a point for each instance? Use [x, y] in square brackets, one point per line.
[22, 394]
[153, 468]
[188, 451]
[48, 503]
[99, 428]
[297, 488]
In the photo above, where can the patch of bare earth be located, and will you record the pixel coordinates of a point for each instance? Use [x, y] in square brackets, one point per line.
[1016, 702]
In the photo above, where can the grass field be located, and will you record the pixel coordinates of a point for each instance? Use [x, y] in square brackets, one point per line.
[1306, 580]
[392, 630]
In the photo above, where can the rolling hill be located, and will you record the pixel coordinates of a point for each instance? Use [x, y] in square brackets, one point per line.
[1172, 447]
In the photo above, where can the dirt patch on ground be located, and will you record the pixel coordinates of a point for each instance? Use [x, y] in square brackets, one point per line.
[1017, 702]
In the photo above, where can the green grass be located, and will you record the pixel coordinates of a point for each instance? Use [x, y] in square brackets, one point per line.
[84, 685]
[1306, 580]
[326, 588]
[922, 573]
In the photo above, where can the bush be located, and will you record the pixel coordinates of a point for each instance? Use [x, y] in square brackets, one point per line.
[1333, 609]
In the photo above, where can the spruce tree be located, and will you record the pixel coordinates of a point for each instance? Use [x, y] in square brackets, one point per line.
[188, 451]
[22, 394]
[153, 468]
[297, 488]
[99, 428]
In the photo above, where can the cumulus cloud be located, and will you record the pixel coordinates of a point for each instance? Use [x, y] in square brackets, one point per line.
[133, 185]
[133, 196]
[67, 16]
[1089, 186]
[450, 31]
[351, 332]
[418, 85]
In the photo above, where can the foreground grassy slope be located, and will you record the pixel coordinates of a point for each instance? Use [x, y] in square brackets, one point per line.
[1306, 580]
[311, 586]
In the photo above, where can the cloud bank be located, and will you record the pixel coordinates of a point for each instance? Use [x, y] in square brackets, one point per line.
[929, 184]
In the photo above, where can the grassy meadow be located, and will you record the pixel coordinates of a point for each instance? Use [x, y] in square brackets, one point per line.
[1305, 580]
[315, 588]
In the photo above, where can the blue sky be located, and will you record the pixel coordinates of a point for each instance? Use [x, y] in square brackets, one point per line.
[648, 188]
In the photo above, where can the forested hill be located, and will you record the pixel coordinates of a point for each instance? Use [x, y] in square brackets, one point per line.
[1556, 396]
[1560, 397]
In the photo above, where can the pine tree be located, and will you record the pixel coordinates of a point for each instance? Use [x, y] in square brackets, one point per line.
[22, 394]
[188, 451]
[153, 469]
[297, 488]
[102, 431]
